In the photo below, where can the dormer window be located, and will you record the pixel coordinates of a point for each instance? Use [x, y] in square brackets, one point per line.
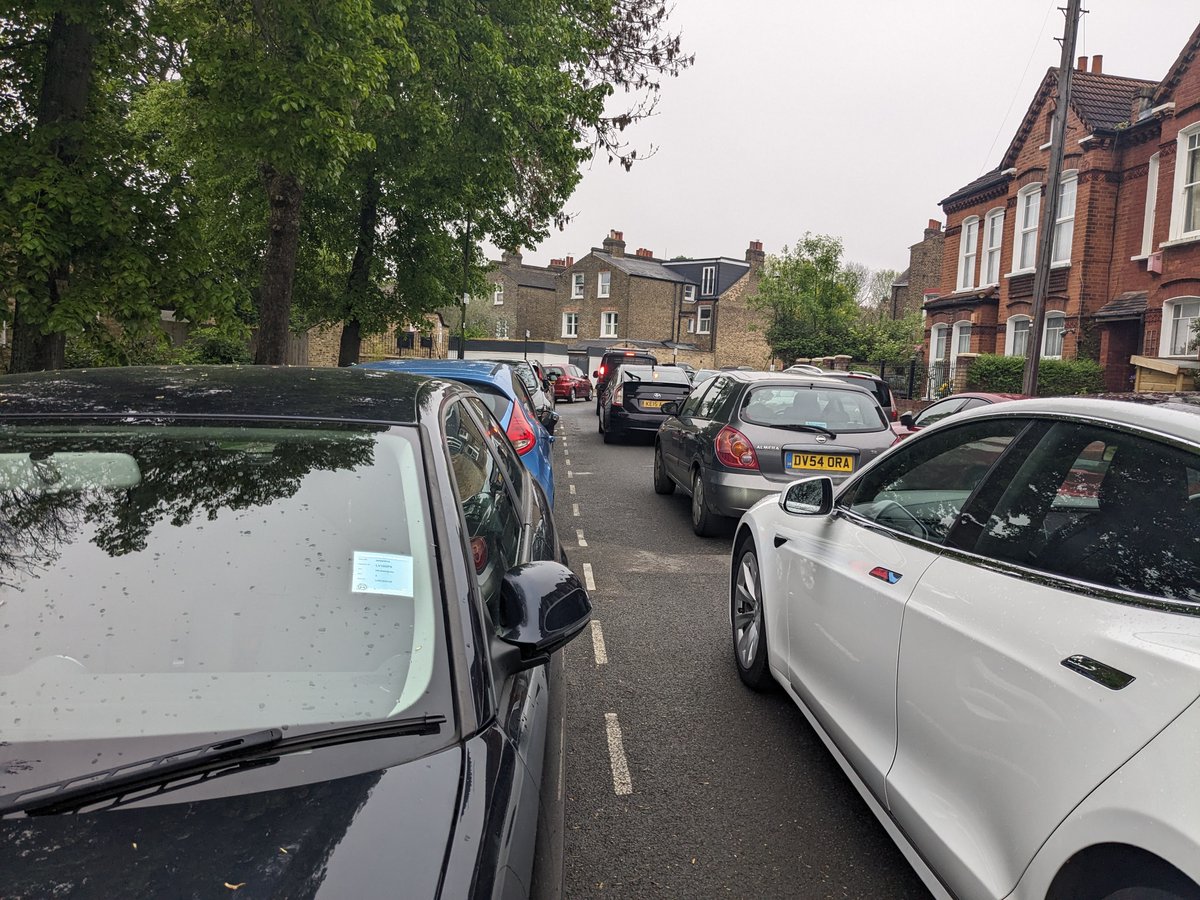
[708, 281]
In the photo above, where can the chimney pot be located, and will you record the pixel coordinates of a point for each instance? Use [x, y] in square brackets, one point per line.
[1097, 63]
[570, 261]
[1082, 64]
[614, 244]
[934, 225]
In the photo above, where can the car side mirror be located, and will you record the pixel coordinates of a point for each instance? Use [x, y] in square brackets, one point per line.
[595, 373]
[553, 376]
[671, 408]
[543, 605]
[549, 420]
[908, 420]
[808, 497]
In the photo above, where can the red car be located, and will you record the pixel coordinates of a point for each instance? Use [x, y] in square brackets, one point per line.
[571, 383]
[910, 424]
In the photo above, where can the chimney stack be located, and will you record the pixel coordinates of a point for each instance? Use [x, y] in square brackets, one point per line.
[557, 264]
[570, 261]
[934, 227]
[1097, 63]
[644, 253]
[614, 244]
[511, 257]
[1082, 64]
[755, 255]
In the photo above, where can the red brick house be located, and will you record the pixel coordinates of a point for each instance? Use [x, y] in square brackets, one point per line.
[1125, 281]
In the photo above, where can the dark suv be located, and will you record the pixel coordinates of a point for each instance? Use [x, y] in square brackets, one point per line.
[613, 360]
[873, 383]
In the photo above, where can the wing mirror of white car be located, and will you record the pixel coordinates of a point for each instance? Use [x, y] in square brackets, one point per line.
[808, 497]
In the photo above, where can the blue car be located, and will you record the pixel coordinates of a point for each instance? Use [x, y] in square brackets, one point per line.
[505, 394]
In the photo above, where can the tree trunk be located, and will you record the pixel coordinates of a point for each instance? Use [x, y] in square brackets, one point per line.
[62, 106]
[360, 271]
[285, 195]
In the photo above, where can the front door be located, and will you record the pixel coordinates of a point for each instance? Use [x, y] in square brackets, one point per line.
[849, 577]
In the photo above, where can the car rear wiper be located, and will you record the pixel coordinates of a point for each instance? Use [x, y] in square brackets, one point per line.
[231, 754]
[815, 429]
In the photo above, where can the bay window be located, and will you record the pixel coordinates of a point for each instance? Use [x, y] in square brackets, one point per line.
[1185, 207]
[1029, 205]
[1064, 222]
[993, 236]
[968, 253]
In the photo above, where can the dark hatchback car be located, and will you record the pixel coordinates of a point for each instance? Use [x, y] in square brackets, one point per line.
[743, 435]
[284, 632]
[636, 399]
[611, 361]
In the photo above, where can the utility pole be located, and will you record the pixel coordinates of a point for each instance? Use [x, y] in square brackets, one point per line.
[1045, 249]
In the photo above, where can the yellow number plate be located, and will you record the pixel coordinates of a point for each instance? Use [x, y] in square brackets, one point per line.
[653, 404]
[821, 461]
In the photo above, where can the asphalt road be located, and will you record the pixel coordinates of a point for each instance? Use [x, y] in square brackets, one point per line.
[680, 781]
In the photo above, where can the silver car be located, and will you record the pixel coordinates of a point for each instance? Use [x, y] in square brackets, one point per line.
[742, 435]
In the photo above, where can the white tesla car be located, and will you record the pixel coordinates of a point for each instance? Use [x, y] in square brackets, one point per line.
[995, 628]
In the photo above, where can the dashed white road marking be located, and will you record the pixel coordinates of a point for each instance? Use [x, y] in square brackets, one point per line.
[568, 460]
[575, 509]
[587, 577]
[598, 644]
[579, 535]
[570, 474]
[622, 783]
[572, 487]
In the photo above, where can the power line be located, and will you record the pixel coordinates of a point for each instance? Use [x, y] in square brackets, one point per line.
[1020, 84]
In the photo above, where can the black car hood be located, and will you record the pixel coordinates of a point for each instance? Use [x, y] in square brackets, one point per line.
[381, 833]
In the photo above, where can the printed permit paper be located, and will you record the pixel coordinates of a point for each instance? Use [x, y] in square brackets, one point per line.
[382, 573]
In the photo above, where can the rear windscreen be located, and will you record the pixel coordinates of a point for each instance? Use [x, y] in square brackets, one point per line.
[837, 409]
[495, 399]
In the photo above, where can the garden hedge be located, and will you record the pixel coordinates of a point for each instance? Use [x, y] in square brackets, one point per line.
[1056, 377]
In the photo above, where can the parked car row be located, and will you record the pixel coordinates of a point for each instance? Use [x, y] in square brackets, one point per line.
[286, 630]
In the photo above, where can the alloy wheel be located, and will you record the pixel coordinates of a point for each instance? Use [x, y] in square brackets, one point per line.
[747, 611]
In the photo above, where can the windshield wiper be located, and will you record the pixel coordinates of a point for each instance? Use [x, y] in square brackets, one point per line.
[815, 429]
[231, 755]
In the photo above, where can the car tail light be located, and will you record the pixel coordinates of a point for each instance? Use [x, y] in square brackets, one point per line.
[520, 432]
[735, 450]
[602, 371]
[619, 395]
[895, 414]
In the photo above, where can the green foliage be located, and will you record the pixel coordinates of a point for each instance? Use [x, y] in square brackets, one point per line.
[875, 339]
[1056, 377]
[213, 345]
[101, 345]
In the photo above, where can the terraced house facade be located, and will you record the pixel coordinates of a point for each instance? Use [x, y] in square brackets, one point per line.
[1125, 279]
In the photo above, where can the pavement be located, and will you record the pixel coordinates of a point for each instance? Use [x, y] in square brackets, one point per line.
[680, 781]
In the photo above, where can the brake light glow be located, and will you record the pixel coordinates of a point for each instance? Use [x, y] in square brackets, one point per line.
[735, 450]
[602, 371]
[520, 432]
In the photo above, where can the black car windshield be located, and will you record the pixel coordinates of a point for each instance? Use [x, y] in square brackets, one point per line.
[660, 374]
[836, 409]
[177, 579]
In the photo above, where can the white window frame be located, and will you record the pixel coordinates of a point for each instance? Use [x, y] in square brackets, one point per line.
[608, 319]
[968, 253]
[570, 324]
[1055, 320]
[993, 240]
[501, 329]
[691, 325]
[1170, 324]
[708, 281]
[1010, 333]
[956, 335]
[1064, 223]
[704, 322]
[1188, 143]
[1031, 193]
[498, 295]
[578, 280]
[689, 293]
[1151, 209]
[603, 284]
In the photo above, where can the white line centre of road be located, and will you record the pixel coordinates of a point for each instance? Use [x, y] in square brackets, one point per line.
[570, 474]
[622, 783]
[587, 577]
[575, 509]
[572, 488]
[598, 644]
[568, 460]
[579, 535]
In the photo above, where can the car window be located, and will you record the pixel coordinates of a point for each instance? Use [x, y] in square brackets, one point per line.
[524, 398]
[1101, 506]
[921, 486]
[513, 467]
[841, 411]
[939, 411]
[694, 398]
[496, 400]
[974, 403]
[715, 398]
[493, 522]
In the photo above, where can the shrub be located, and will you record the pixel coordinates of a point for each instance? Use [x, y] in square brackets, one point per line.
[209, 344]
[104, 345]
[1056, 377]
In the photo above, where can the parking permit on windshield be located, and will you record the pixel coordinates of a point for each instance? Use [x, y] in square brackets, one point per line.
[382, 573]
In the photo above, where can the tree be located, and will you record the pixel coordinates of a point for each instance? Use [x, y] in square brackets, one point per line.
[89, 225]
[811, 299]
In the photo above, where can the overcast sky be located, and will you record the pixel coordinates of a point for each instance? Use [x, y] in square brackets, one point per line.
[845, 117]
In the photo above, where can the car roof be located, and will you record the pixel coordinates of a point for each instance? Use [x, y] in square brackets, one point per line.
[483, 370]
[1176, 415]
[261, 392]
[791, 378]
